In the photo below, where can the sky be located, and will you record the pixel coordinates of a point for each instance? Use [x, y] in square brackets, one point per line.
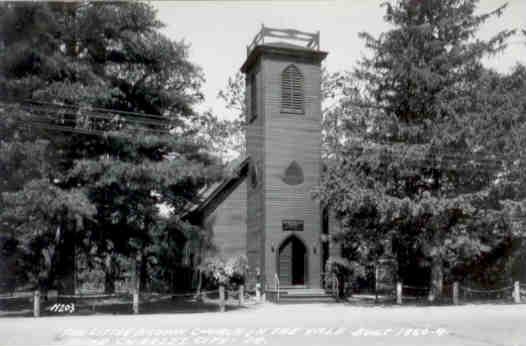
[219, 31]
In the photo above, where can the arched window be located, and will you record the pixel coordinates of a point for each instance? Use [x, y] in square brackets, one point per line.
[292, 97]
[254, 174]
[293, 174]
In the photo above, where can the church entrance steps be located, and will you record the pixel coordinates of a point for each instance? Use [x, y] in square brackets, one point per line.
[299, 295]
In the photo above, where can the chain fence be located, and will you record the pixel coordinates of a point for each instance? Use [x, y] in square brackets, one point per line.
[36, 303]
[457, 293]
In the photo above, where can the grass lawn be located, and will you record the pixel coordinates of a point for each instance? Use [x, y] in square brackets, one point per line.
[118, 305]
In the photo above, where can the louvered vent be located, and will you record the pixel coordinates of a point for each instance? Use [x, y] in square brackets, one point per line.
[292, 97]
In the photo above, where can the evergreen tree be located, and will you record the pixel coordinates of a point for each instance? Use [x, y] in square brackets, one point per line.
[427, 140]
[81, 61]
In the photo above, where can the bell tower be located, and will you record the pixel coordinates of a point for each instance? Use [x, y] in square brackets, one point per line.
[283, 137]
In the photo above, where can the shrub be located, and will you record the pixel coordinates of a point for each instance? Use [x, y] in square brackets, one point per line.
[227, 272]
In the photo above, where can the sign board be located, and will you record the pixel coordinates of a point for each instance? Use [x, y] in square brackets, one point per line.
[292, 225]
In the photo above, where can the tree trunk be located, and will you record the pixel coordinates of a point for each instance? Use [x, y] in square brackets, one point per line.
[341, 286]
[143, 273]
[46, 274]
[198, 295]
[437, 278]
[66, 262]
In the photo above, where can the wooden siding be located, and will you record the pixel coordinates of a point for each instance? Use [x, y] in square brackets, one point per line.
[255, 196]
[292, 137]
[229, 224]
[275, 139]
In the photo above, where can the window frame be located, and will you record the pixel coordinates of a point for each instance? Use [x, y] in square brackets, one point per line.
[296, 97]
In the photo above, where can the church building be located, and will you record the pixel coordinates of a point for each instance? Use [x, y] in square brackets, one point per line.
[265, 209]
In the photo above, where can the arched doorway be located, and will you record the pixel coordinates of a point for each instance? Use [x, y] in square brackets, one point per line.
[292, 262]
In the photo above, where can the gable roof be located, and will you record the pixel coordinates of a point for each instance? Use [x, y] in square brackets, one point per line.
[213, 195]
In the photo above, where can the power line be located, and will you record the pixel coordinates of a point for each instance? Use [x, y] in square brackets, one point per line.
[102, 116]
[45, 116]
[48, 126]
[41, 112]
[106, 110]
[57, 110]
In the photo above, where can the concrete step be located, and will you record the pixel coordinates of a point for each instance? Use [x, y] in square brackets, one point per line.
[302, 292]
[300, 295]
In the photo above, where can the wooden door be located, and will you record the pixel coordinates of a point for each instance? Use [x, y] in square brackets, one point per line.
[285, 264]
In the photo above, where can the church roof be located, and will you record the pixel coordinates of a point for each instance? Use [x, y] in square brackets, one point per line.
[213, 195]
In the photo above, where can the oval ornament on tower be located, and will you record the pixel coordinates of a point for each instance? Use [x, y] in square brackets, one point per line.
[293, 174]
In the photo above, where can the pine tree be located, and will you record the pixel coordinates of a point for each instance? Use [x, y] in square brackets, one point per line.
[74, 59]
[427, 138]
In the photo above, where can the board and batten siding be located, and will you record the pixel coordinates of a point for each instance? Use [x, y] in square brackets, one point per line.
[255, 196]
[229, 224]
[292, 137]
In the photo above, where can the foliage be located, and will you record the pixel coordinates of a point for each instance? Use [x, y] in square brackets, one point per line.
[232, 271]
[344, 269]
[37, 216]
[228, 136]
[111, 56]
[224, 138]
[428, 142]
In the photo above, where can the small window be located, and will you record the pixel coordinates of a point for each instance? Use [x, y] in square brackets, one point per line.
[292, 97]
[254, 175]
[293, 174]
[253, 97]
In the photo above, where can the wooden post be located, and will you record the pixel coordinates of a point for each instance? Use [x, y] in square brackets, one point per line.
[455, 293]
[36, 304]
[135, 301]
[516, 292]
[258, 292]
[398, 293]
[241, 295]
[136, 284]
[222, 298]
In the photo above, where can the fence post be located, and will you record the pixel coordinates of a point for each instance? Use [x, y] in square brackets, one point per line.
[221, 298]
[36, 304]
[455, 293]
[258, 292]
[241, 294]
[516, 292]
[398, 293]
[136, 301]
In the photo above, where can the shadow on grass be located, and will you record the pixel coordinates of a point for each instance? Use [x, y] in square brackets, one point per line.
[23, 307]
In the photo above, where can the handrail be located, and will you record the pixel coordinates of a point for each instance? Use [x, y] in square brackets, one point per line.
[335, 283]
[276, 286]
